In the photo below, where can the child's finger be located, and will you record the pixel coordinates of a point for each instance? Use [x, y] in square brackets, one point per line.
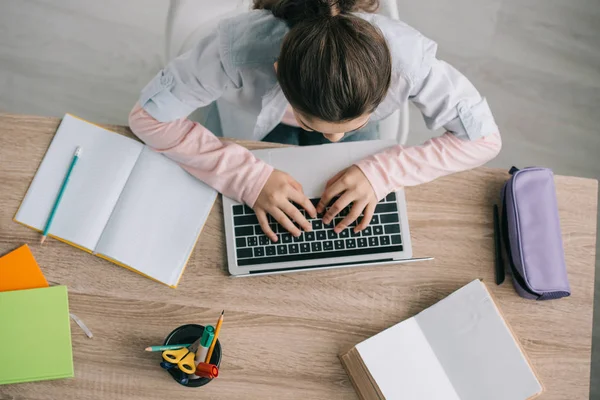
[329, 193]
[264, 224]
[304, 202]
[357, 209]
[366, 220]
[297, 216]
[337, 207]
[285, 221]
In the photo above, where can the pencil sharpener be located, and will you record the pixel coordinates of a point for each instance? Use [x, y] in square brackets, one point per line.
[189, 334]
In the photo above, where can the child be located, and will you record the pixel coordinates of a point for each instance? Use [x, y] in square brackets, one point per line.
[308, 72]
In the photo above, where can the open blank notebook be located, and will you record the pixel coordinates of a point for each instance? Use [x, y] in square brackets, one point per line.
[124, 202]
[457, 349]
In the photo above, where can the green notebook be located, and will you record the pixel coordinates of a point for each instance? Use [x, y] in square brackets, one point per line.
[35, 335]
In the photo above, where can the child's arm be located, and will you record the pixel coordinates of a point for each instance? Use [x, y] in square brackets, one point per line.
[409, 166]
[227, 167]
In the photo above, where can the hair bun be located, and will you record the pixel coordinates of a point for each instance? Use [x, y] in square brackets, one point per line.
[294, 11]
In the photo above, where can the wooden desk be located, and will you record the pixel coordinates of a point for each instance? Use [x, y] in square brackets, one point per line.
[282, 333]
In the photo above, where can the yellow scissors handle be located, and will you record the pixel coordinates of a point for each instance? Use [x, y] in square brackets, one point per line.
[187, 364]
[174, 356]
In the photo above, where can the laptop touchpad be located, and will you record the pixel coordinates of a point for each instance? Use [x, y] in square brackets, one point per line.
[311, 166]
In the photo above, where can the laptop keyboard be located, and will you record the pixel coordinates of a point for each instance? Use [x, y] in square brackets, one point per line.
[253, 247]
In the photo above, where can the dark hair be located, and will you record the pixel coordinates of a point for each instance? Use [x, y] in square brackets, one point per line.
[333, 65]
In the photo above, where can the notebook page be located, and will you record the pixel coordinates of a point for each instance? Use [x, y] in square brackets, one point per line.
[96, 182]
[404, 366]
[158, 218]
[476, 348]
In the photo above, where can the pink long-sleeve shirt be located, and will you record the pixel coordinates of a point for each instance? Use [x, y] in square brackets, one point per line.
[235, 172]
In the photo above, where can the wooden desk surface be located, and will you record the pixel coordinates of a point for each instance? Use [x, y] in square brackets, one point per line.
[282, 333]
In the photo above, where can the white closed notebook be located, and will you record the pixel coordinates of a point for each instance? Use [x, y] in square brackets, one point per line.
[457, 349]
[123, 202]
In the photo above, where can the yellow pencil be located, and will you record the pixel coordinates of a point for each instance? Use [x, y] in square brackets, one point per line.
[214, 342]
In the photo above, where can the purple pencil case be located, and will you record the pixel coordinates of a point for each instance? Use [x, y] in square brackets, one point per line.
[532, 236]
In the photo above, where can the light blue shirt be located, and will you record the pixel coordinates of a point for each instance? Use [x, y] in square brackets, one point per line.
[234, 64]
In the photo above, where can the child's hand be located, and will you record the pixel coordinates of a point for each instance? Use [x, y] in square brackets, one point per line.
[275, 198]
[353, 187]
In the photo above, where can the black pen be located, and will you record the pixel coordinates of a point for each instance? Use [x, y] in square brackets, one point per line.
[498, 245]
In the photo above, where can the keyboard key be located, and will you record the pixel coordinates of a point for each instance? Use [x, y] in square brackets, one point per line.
[373, 241]
[316, 246]
[345, 212]
[328, 226]
[345, 233]
[328, 245]
[244, 231]
[339, 244]
[317, 224]
[385, 208]
[354, 234]
[391, 197]
[384, 240]
[263, 240]
[238, 210]
[305, 247]
[378, 230]
[321, 235]
[282, 249]
[392, 229]
[258, 230]
[309, 236]
[337, 221]
[244, 253]
[240, 242]
[252, 241]
[286, 238]
[294, 248]
[396, 239]
[315, 202]
[259, 252]
[248, 210]
[270, 250]
[389, 218]
[273, 227]
[350, 243]
[332, 235]
[375, 220]
[299, 238]
[271, 219]
[367, 231]
[362, 242]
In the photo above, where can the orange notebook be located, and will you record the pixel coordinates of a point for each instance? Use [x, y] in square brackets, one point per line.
[19, 270]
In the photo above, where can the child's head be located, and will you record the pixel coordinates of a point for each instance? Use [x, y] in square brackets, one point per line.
[334, 68]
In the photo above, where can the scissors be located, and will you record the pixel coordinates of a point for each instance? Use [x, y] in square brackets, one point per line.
[184, 358]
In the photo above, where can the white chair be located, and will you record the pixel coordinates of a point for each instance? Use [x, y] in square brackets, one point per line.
[189, 20]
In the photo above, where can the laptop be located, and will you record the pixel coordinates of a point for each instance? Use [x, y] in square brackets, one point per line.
[385, 241]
